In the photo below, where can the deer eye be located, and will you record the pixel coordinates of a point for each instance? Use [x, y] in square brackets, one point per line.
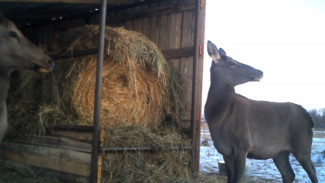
[13, 34]
[232, 63]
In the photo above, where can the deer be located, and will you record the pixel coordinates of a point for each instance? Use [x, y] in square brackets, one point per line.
[242, 128]
[16, 52]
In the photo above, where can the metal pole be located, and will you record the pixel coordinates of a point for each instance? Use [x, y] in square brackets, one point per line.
[95, 145]
[74, 54]
[195, 147]
[145, 148]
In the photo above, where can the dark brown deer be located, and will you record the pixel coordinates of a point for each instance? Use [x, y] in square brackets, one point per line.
[242, 128]
[16, 52]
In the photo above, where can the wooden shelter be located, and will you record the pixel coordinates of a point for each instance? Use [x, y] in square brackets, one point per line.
[176, 26]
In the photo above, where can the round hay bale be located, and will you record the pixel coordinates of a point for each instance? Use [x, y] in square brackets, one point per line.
[137, 88]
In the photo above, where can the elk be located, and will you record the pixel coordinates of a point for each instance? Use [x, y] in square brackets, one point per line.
[243, 128]
[16, 52]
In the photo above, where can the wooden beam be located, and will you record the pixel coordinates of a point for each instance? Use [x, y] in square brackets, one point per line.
[169, 54]
[84, 136]
[116, 17]
[78, 128]
[178, 53]
[197, 84]
[46, 162]
[115, 2]
[51, 152]
[58, 142]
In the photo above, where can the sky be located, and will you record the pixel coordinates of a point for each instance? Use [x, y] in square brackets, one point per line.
[283, 38]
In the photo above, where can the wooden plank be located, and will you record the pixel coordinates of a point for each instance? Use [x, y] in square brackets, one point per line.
[186, 68]
[186, 71]
[175, 64]
[46, 162]
[86, 136]
[186, 126]
[129, 25]
[175, 30]
[154, 29]
[150, 12]
[164, 33]
[178, 53]
[137, 25]
[119, 24]
[55, 153]
[188, 29]
[58, 142]
[186, 116]
[146, 26]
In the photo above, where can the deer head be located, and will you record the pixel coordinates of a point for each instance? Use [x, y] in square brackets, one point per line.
[16, 51]
[228, 70]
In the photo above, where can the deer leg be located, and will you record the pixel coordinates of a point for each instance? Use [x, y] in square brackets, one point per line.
[283, 165]
[229, 161]
[240, 161]
[305, 161]
[3, 121]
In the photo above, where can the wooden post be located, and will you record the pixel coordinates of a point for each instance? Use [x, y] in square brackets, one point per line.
[197, 86]
[100, 158]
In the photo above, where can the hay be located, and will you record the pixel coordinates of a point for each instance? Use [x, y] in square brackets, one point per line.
[139, 94]
[164, 166]
[138, 87]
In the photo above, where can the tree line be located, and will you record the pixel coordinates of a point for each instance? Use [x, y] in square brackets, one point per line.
[319, 118]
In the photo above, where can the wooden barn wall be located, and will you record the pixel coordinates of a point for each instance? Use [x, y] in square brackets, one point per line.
[172, 29]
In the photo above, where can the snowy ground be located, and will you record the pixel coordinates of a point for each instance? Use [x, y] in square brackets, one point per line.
[265, 169]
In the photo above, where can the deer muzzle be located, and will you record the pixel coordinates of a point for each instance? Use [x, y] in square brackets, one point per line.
[47, 68]
[258, 76]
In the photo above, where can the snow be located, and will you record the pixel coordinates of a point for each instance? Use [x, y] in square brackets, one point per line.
[265, 169]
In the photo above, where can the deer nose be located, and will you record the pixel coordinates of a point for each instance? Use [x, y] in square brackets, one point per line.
[259, 73]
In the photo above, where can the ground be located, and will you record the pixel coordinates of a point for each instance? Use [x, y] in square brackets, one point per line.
[264, 169]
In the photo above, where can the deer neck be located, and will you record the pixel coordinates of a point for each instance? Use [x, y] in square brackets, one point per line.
[4, 71]
[4, 86]
[219, 98]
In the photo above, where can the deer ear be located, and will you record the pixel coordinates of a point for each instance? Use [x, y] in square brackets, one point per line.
[2, 19]
[213, 52]
[222, 52]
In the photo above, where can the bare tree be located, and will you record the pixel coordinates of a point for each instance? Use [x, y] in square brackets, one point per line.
[319, 118]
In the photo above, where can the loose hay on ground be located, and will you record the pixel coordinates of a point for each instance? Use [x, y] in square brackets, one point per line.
[164, 166]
